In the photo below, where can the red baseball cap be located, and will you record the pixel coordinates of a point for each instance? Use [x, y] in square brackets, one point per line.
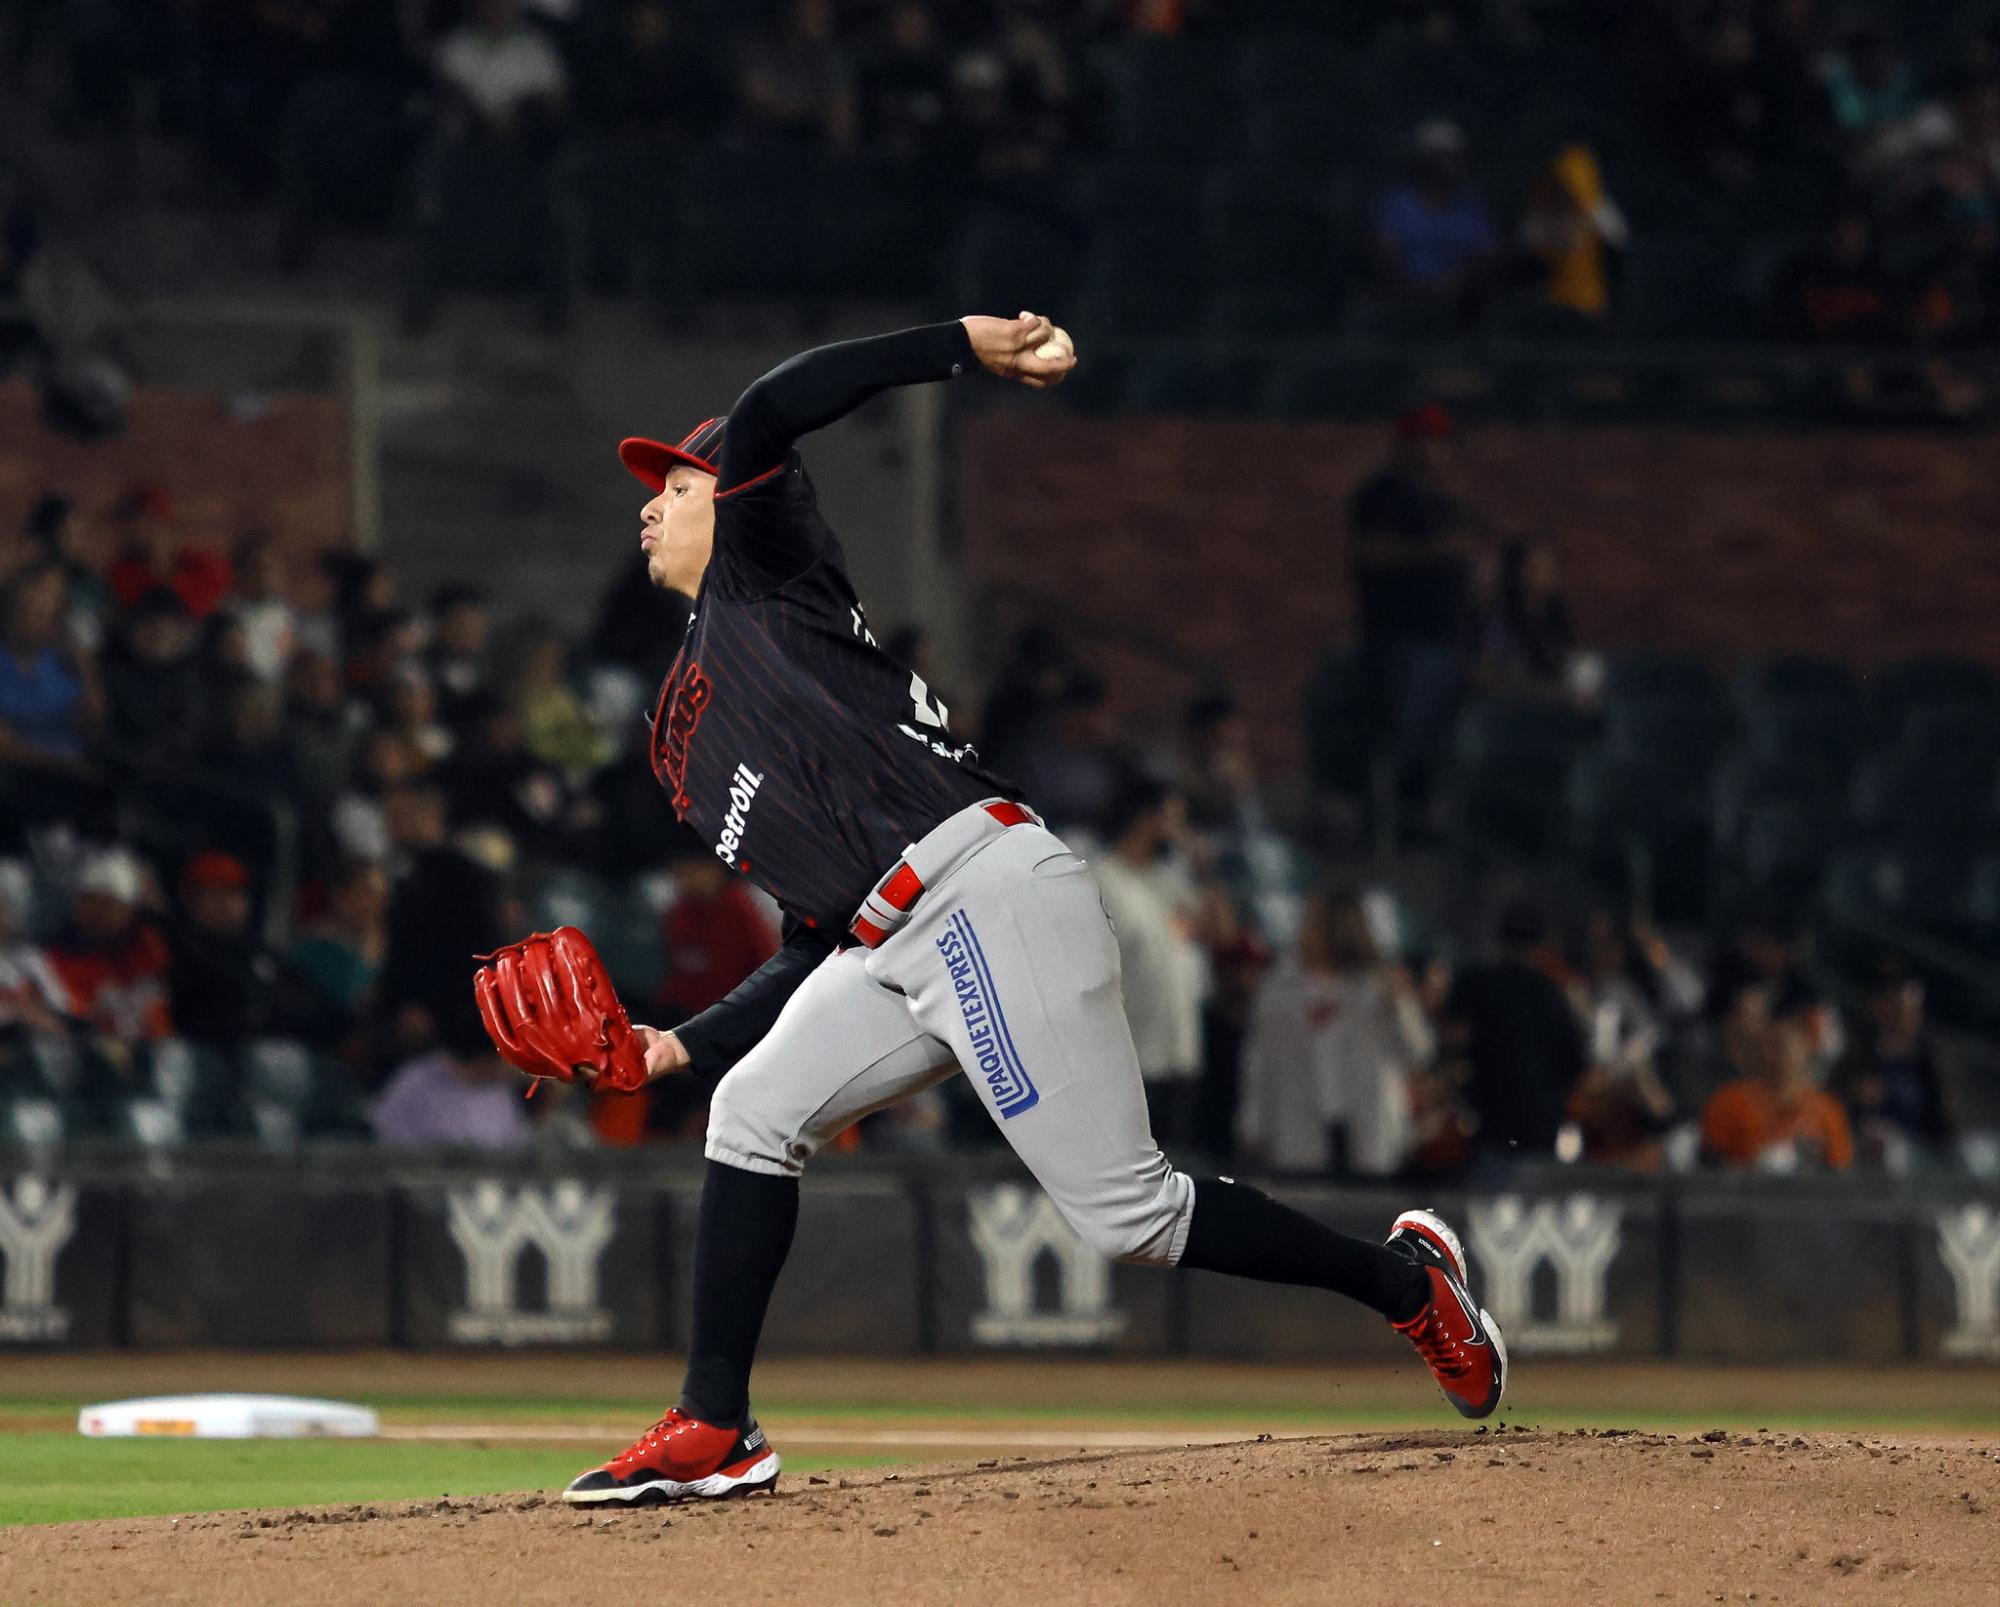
[213, 868]
[650, 461]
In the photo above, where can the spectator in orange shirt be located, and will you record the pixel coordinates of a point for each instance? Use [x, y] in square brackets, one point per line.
[113, 961]
[1778, 1119]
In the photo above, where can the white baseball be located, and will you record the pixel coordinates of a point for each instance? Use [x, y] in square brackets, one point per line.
[1057, 345]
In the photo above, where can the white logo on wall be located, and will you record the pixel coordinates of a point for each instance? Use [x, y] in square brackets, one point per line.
[1969, 1246]
[1014, 1228]
[1579, 1238]
[494, 1226]
[35, 1223]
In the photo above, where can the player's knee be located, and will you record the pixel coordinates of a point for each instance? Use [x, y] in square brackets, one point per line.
[1146, 1227]
[745, 1129]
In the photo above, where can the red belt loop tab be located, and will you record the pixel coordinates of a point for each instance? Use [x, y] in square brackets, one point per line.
[885, 909]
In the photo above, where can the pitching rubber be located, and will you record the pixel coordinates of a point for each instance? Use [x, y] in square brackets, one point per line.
[761, 1474]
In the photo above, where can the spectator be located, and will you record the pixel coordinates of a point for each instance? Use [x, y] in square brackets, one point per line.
[112, 960]
[1524, 641]
[493, 779]
[1892, 1079]
[411, 718]
[340, 955]
[503, 81]
[1161, 966]
[1519, 1047]
[154, 681]
[320, 739]
[155, 555]
[1839, 290]
[1736, 107]
[1869, 87]
[1778, 1120]
[1571, 231]
[1621, 1107]
[1434, 237]
[49, 700]
[51, 531]
[259, 605]
[1336, 1037]
[794, 83]
[316, 618]
[246, 748]
[32, 997]
[358, 818]
[556, 729]
[1412, 584]
[446, 908]
[1074, 772]
[904, 88]
[1024, 697]
[460, 1093]
[227, 987]
[457, 655]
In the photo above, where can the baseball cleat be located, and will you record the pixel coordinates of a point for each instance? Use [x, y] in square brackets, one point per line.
[678, 1458]
[1460, 1342]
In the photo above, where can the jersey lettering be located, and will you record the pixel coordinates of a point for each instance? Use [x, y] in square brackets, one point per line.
[683, 701]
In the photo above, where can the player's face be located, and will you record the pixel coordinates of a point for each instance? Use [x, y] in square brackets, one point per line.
[677, 531]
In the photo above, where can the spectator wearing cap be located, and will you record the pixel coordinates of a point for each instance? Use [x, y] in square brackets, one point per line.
[1434, 235]
[1779, 1119]
[154, 554]
[1158, 959]
[1894, 1078]
[459, 1094]
[112, 960]
[221, 979]
[1510, 1034]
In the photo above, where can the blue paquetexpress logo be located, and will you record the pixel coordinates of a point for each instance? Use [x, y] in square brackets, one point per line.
[985, 1022]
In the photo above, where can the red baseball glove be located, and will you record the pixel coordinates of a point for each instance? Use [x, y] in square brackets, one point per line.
[550, 1009]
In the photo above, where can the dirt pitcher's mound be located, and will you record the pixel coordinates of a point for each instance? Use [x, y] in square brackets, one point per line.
[1595, 1516]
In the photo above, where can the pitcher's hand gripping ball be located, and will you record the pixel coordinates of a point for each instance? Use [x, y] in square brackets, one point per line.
[550, 1009]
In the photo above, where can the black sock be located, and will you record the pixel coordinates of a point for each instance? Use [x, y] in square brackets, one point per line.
[1241, 1230]
[740, 1245]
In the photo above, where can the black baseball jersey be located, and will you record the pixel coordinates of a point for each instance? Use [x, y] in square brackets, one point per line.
[800, 751]
[803, 754]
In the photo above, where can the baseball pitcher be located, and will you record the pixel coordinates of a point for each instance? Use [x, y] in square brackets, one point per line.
[934, 927]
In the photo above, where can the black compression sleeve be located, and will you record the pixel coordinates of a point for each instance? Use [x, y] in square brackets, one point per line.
[728, 1029]
[819, 386]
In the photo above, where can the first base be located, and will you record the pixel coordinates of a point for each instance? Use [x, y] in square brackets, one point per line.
[230, 1417]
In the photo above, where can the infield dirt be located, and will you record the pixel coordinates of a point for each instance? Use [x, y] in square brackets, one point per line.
[1506, 1517]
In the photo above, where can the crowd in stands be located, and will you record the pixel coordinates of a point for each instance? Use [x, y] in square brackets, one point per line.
[257, 814]
[1681, 167]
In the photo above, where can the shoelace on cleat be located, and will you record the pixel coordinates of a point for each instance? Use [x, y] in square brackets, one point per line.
[675, 1422]
[1444, 1353]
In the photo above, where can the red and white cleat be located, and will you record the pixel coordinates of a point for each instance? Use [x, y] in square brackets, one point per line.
[1460, 1343]
[678, 1458]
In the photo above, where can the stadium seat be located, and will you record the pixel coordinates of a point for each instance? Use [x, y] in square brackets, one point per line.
[1788, 844]
[1806, 733]
[1267, 226]
[1684, 739]
[1924, 798]
[292, 1094]
[1897, 690]
[1511, 758]
[1191, 384]
[31, 1122]
[1746, 782]
[1617, 804]
[1932, 889]
[196, 1084]
[1646, 677]
[1682, 287]
[149, 1123]
[1790, 677]
[1948, 730]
